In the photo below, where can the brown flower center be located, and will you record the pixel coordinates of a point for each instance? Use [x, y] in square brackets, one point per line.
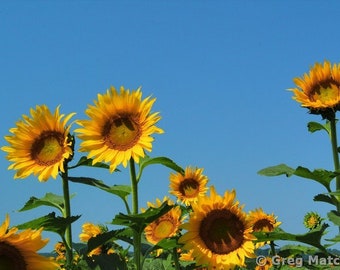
[48, 148]
[11, 258]
[262, 224]
[324, 91]
[122, 133]
[189, 187]
[222, 231]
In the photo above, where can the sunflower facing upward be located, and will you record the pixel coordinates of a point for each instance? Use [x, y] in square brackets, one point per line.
[40, 144]
[119, 128]
[218, 232]
[189, 186]
[320, 89]
[18, 251]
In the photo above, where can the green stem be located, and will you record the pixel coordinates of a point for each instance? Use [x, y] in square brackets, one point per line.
[335, 151]
[334, 142]
[136, 235]
[176, 260]
[67, 214]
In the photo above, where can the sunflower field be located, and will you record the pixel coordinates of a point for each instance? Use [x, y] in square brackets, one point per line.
[193, 227]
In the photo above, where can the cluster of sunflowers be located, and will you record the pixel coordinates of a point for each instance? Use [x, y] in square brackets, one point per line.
[199, 230]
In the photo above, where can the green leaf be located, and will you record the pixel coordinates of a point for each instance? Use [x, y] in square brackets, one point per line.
[277, 170]
[84, 161]
[120, 190]
[49, 199]
[146, 161]
[50, 223]
[315, 126]
[138, 222]
[321, 176]
[324, 198]
[106, 262]
[334, 217]
[312, 238]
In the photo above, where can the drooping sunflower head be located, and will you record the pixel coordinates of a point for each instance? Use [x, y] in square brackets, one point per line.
[90, 230]
[262, 222]
[40, 144]
[165, 226]
[188, 187]
[312, 220]
[119, 128]
[319, 91]
[18, 250]
[218, 232]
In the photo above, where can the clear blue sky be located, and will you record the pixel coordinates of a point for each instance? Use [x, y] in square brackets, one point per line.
[220, 71]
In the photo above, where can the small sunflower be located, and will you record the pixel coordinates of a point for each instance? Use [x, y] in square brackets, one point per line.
[265, 263]
[40, 144]
[90, 230]
[165, 226]
[60, 250]
[218, 232]
[188, 187]
[18, 250]
[119, 128]
[320, 89]
[262, 222]
[312, 220]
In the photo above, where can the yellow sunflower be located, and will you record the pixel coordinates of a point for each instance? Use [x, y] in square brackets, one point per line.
[218, 232]
[189, 186]
[262, 222]
[119, 128]
[40, 144]
[312, 220]
[18, 250]
[90, 230]
[165, 226]
[320, 89]
[264, 263]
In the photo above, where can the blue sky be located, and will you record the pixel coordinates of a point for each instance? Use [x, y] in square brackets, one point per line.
[220, 71]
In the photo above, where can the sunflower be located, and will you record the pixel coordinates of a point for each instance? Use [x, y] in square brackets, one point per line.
[40, 144]
[18, 250]
[218, 232]
[312, 220]
[90, 230]
[165, 226]
[262, 222]
[189, 186]
[263, 263]
[119, 128]
[320, 89]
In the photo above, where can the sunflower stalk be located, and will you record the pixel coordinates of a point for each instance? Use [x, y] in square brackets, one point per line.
[67, 213]
[136, 235]
[334, 143]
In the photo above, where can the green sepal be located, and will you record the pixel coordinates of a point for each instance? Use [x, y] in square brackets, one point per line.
[50, 222]
[167, 162]
[138, 222]
[321, 176]
[121, 191]
[312, 238]
[49, 199]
